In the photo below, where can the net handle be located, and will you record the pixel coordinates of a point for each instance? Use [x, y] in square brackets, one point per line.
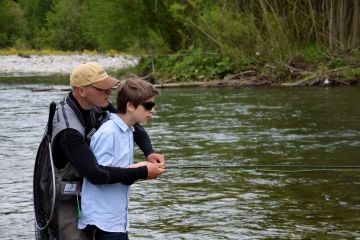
[48, 133]
[52, 109]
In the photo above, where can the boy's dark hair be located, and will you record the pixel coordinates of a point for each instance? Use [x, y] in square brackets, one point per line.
[134, 90]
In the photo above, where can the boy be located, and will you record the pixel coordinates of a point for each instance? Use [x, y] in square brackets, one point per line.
[105, 207]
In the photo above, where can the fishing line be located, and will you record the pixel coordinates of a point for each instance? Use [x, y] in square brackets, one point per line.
[273, 168]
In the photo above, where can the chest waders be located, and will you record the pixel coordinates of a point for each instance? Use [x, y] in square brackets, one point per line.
[56, 191]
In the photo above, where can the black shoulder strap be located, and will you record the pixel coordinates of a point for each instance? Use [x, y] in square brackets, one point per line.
[52, 109]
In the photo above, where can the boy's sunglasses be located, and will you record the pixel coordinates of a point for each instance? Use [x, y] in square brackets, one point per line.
[148, 105]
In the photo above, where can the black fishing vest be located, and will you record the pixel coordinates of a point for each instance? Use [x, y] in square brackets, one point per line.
[68, 115]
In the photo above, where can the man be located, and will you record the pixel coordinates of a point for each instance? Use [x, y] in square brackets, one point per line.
[77, 117]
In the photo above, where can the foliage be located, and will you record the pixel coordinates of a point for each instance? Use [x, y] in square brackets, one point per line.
[62, 29]
[105, 26]
[243, 34]
[12, 23]
[336, 63]
[35, 13]
[348, 74]
[186, 66]
[311, 53]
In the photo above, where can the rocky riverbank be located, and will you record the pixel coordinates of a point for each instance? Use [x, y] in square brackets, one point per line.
[38, 65]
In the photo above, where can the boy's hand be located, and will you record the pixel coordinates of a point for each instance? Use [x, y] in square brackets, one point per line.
[155, 170]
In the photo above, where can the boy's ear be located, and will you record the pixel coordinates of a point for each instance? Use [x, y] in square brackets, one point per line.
[130, 107]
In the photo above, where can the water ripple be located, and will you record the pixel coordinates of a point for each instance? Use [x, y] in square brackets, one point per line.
[214, 127]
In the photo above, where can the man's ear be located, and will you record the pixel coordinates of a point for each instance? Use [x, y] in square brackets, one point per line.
[81, 91]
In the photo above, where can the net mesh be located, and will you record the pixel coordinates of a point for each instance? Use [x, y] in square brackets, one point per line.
[43, 186]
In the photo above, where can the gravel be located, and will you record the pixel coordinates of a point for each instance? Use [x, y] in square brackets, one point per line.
[35, 65]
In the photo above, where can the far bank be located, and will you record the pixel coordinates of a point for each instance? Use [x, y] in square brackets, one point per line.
[178, 70]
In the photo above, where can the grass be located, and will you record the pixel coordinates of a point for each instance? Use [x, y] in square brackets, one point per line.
[350, 74]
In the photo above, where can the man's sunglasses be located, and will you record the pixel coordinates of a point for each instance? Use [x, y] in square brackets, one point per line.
[99, 89]
[148, 105]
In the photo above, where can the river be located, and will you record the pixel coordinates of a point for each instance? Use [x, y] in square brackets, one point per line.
[212, 127]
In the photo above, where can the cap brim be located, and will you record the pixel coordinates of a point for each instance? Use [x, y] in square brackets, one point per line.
[107, 83]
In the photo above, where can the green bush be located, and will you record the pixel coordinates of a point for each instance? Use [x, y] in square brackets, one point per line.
[336, 63]
[187, 66]
[12, 23]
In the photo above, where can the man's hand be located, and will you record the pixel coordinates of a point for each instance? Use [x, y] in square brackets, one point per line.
[154, 169]
[136, 165]
[156, 158]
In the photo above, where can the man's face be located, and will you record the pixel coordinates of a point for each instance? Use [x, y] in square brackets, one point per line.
[97, 97]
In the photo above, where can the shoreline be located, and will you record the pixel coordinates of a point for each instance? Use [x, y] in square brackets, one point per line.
[47, 65]
[235, 83]
[43, 66]
[224, 84]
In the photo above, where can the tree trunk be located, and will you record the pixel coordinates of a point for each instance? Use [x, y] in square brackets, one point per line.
[355, 25]
[331, 23]
[341, 23]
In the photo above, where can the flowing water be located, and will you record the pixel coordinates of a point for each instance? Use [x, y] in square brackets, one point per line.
[192, 127]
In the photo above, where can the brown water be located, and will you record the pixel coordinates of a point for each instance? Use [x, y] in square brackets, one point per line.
[215, 127]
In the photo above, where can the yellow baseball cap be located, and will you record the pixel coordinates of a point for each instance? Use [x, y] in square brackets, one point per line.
[91, 73]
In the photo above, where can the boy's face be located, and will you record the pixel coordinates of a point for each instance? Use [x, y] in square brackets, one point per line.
[144, 111]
